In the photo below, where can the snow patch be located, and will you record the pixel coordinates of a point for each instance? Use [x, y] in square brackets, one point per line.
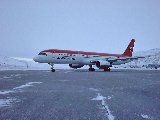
[5, 102]
[6, 92]
[17, 75]
[145, 116]
[68, 71]
[102, 98]
[109, 97]
[5, 77]
[94, 89]
[8, 102]
[22, 86]
[64, 80]
[26, 85]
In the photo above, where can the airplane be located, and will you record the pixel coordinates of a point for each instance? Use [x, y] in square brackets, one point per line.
[77, 59]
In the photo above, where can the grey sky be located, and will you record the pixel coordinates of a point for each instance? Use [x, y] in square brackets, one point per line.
[28, 27]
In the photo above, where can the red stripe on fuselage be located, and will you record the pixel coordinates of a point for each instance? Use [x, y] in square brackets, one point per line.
[81, 52]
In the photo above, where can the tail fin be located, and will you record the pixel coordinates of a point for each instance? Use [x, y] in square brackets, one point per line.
[129, 50]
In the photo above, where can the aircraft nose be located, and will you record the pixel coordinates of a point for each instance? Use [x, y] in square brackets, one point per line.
[36, 59]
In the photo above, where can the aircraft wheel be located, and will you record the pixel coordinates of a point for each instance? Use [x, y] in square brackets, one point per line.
[91, 69]
[53, 70]
[107, 69]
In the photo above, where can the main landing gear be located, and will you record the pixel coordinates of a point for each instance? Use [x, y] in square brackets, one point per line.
[107, 69]
[91, 69]
[52, 68]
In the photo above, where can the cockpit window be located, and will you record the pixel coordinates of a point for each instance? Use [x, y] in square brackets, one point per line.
[42, 54]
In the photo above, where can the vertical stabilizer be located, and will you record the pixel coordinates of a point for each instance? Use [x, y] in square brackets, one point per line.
[129, 50]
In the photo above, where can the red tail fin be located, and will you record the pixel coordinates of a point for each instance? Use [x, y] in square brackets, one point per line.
[129, 50]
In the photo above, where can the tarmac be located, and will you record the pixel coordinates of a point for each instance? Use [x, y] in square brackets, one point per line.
[80, 94]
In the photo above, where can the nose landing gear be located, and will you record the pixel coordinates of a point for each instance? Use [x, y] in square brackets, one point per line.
[52, 68]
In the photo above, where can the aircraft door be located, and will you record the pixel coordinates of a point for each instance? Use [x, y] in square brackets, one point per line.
[53, 55]
[88, 56]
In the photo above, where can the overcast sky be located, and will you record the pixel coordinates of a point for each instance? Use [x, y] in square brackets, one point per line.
[30, 26]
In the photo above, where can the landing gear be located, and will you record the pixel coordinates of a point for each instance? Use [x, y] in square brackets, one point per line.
[91, 69]
[107, 69]
[52, 68]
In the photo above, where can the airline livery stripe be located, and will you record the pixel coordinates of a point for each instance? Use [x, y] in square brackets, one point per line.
[80, 52]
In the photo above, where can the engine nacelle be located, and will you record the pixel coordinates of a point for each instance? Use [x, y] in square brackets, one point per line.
[75, 65]
[103, 64]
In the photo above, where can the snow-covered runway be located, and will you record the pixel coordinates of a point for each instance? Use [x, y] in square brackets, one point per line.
[80, 94]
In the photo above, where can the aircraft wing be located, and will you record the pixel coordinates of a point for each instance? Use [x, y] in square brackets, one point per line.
[126, 58]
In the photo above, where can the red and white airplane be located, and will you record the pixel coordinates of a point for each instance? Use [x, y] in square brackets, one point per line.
[77, 59]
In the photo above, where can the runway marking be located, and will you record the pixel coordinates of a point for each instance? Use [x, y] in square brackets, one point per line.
[102, 98]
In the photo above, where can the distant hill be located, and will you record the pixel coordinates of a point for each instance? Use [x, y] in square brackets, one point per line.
[8, 63]
[13, 63]
[155, 59]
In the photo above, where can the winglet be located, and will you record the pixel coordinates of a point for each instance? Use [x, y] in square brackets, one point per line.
[129, 50]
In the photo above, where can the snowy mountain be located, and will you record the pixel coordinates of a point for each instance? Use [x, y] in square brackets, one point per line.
[7, 63]
[154, 59]
[14, 63]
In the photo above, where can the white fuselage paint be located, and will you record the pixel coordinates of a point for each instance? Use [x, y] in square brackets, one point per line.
[64, 58]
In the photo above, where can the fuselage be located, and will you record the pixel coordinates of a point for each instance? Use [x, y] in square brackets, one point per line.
[75, 57]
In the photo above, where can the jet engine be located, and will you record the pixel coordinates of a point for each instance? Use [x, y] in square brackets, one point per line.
[75, 65]
[103, 64]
